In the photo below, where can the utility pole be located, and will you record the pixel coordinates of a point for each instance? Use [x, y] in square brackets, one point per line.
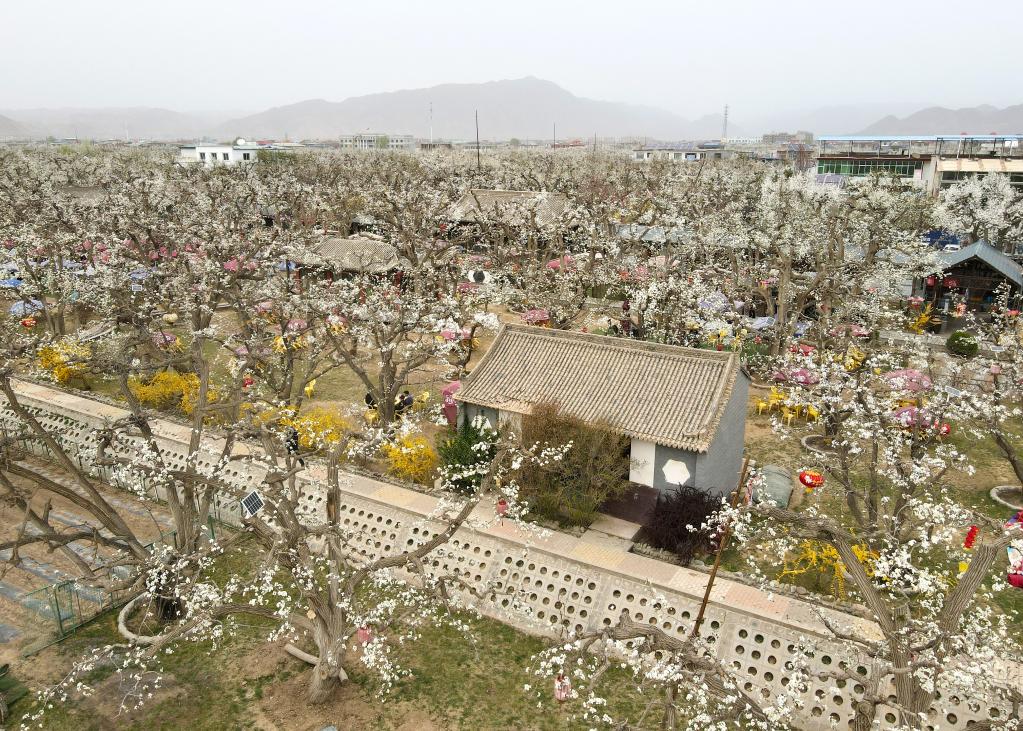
[555, 146]
[478, 165]
[431, 125]
[726, 532]
[724, 126]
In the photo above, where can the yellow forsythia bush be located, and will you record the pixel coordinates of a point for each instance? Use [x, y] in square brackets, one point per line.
[65, 359]
[823, 562]
[411, 458]
[318, 427]
[164, 390]
[169, 389]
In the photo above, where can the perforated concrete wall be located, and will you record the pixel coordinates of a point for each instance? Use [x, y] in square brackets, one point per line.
[565, 582]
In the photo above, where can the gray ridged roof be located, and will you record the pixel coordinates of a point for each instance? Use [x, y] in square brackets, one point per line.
[990, 256]
[658, 393]
[358, 254]
[513, 207]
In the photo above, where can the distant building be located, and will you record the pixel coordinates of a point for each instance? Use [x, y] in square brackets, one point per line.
[682, 151]
[428, 145]
[376, 141]
[785, 138]
[731, 141]
[238, 153]
[929, 162]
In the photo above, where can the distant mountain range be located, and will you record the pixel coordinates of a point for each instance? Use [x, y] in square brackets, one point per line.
[10, 128]
[111, 123]
[939, 120]
[527, 108]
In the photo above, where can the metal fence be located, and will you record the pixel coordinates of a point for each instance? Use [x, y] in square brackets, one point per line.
[68, 606]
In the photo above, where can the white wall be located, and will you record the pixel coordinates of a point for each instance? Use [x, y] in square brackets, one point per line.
[642, 468]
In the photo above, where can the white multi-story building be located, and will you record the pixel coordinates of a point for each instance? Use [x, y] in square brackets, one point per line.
[682, 151]
[239, 153]
[930, 162]
[742, 141]
[376, 141]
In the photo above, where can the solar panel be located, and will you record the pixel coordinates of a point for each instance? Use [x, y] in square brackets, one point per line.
[252, 503]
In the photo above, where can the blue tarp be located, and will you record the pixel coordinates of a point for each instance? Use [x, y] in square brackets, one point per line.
[20, 309]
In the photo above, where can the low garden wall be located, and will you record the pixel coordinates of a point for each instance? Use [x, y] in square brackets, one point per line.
[566, 582]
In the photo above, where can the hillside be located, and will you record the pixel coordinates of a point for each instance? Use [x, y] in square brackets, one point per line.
[524, 108]
[939, 120]
[10, 128]
[112, 122]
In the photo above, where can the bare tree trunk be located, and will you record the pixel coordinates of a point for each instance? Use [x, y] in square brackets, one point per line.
[325, 680]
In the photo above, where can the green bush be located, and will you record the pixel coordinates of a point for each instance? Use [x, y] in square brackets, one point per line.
[466, 454]
[594, 470]
[961, 343]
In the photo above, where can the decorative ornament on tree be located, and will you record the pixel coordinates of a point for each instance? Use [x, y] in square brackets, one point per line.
[502, 508]
[364, 635]
[971, 537]
[28, 323]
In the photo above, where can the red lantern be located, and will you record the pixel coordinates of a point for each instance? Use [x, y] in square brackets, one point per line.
[930, 281]
[502, 507]
[971, 537]
[811, 479]
[247, 381]
[28, 323]
[364, 634]
[1015, 580]
[945, 429]
[951, 283]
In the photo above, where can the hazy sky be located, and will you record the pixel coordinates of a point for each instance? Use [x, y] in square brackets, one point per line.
[689, 57]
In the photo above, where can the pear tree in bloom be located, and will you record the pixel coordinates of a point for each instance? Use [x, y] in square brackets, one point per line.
[927, 567]
[987, 208]
[170, 288]
[999, 362]
[335, 597]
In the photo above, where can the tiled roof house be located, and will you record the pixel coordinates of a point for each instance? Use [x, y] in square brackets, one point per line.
[684, 409]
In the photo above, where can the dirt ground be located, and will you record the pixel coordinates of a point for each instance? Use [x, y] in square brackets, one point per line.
[25, 619]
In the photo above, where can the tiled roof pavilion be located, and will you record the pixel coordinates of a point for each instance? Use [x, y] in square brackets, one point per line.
[663, 394]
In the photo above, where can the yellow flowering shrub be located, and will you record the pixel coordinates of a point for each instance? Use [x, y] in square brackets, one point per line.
[318, 427]
[164, 390]
[823, 559]
[169, 389]
[411, 458]
[65, 359]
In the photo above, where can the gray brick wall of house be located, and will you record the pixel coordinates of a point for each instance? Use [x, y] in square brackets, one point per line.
[718, 469]
[662, 455]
